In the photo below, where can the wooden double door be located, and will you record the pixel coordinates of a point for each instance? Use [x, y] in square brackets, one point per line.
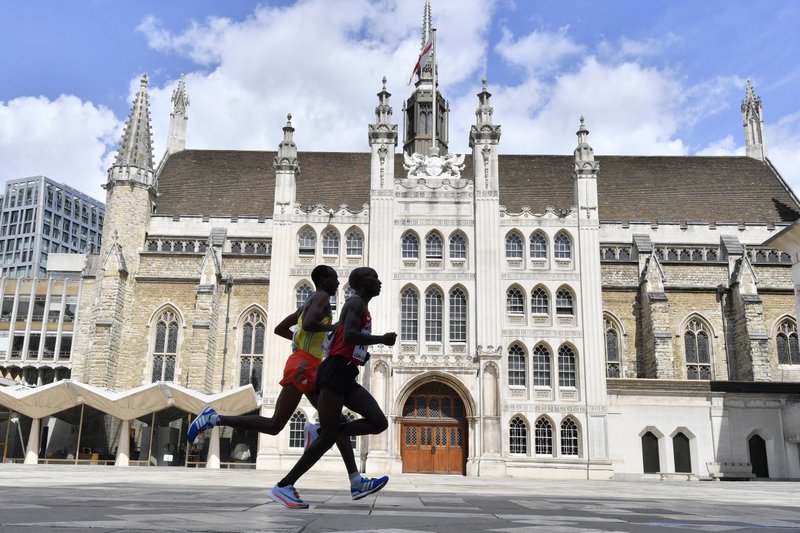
[433, 438]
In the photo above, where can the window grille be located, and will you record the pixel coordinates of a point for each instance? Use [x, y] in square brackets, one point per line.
[458, 316]
[516, 366]
[433, 316]
[538, 247]
[410, 249]
[515, 303]
[458, 247]
[544, 437]
[409, 315]
[539, 302]
[513, 246]
[518, 436]
[541, 366]
[562, 247]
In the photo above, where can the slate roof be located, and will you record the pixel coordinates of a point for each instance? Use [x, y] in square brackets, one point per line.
[630, 188]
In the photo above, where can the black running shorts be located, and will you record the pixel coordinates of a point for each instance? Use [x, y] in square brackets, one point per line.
[337, 375]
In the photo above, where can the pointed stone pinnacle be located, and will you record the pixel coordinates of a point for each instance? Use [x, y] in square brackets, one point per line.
[384, 83]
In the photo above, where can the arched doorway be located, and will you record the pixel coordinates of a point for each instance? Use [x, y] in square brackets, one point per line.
[433, 436]
[650, 458]
[682, 453]
[758, 456]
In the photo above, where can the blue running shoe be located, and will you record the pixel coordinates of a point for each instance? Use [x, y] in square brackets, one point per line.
[206, 419]
[287, 496]
[367, 486]
[311, 433]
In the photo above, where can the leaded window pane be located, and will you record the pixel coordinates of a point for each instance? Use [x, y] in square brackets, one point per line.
[244, 372]
[612, 370]
[566, 367]
[513, 246]
[158, 367]
[783, 349]
[702, 348]
[458, 247]
[409, 315]
[544, 437]
[562, 247]
[691, 347]
[259, 340]
[515, 303]
[793, 349]
[564, 302]
[516, 366]
[458, 316]
[410, 248]
[247, 338]
[612, 346]
[518, 436]
[433, 246]
[161, 335]
[306, 241]
[569, 437]
[355, 244]
[330, 242]
[541, 366]
[172, 338]
[169, 368]
[302, 294]
[539, 302]
[538, 248]
[296, 424]
[433, 316]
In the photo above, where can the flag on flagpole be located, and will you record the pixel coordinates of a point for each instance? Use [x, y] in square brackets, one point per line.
[424, 56]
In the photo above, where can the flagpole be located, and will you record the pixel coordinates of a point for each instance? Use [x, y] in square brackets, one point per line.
[434, 149]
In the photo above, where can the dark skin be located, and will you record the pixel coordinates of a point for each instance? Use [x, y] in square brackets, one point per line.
[315, 309]
[358, 400]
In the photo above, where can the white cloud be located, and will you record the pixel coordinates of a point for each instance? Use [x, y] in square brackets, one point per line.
[539, 51]
[724, 146]
[64, 139]
[783, 148]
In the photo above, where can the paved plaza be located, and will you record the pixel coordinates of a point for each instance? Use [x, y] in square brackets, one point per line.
[106, 499]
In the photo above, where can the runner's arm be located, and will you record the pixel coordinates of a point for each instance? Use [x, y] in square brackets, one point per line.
[351, 318]
[315, 311]
[284, 328]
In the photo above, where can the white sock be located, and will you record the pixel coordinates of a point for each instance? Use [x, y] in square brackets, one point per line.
[355, 479]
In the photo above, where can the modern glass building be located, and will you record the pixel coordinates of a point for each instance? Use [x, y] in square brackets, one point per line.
[41, 216]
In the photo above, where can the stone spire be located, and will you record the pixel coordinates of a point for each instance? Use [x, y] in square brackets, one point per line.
[484, 137]
[383, 112]
[382, 140]
[426, 72]
[584, 155]
[176, 139]
[134, 159]
[286, 171]
[286, 159]
[753, 123]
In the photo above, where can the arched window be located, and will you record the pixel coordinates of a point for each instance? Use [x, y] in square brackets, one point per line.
[538, 247]
[564, 305]
[251, 359]
[296, 424]
[433, 246]
[541, 366]
[516, 366]
[306, 241]
[698, 351]
[409, 314]
[458, 316]
[544, 437]
[458, 246]
[433, 316]
[562, 247]
[570, 437]
[355, 243]
[613, 362]
[518, 436]
[539, 302]
[334, 302]
[515, 302]
[566, 367]
[350, 417]
[788, 352]
[513, 246]
[410, 246]
[302, 294]
[165, 349]
[330, 242]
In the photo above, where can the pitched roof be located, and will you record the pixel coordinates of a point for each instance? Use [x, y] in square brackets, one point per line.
[630, 188]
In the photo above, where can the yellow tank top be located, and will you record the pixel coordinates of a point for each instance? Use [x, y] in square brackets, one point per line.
[313, 342]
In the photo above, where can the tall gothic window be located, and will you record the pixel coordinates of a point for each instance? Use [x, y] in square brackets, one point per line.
[518, 436]
[251, 360]
[330, 242]
[302, 294]
[562, 247]
[564, 305]
[567, 374]
[296, 424]
[541, 366]
[306, 241]
[458, 246]
[433, 246]
[410, 249]
[570, 437]
[613, 362]
[538, 247]
[788, 353]
[458, 316]
[433, 316]
[698, 351]
[165, 350]
[517, 371]
[543, 433]
[513, 246]
[409, 314]
[539, 302]
[355, 243]
[515, 302]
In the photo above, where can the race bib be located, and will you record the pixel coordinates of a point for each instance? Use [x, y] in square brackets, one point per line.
[360, 351]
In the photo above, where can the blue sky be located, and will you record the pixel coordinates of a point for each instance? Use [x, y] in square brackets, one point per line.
[651, 77]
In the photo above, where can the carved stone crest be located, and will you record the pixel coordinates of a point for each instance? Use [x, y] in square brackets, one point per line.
[419, 165]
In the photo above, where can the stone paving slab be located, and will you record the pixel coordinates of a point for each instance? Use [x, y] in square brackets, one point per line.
[63, 499]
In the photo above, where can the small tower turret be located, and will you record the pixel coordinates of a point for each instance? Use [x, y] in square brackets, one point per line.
[286, 171]
[753, 123]
[382, 140]
[484, 138]
[176, 138]
[134, 161]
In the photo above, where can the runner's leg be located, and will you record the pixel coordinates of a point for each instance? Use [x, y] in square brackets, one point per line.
[285, 406]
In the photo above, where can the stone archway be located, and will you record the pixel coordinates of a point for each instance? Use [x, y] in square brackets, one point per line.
[433, 431]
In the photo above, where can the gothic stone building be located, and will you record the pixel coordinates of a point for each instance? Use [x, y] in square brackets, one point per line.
[558, 315]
